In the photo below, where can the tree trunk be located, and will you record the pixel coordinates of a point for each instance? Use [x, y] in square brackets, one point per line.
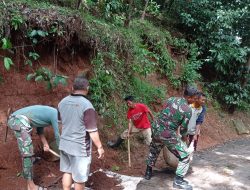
[79, 2]
[144, 11]
[128, 14]
[247, 72]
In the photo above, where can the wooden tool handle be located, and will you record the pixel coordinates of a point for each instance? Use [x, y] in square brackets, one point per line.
[53, 152]
[129, 157]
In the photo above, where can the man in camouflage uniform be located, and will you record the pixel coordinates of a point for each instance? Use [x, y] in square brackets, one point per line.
[175, 115]
[21, 122]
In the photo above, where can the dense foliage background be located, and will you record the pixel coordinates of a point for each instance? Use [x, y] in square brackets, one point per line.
[183, 40]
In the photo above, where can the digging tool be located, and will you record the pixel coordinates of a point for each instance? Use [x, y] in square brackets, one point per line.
[6, 124]
[6, 133]
[129, 157]
[53, 152]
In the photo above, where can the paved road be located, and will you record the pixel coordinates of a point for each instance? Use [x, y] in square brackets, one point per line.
[226, 167]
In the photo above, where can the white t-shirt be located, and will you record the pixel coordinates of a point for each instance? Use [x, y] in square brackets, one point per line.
[192, 122]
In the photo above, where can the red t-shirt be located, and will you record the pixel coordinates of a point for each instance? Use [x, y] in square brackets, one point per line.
[139, 117]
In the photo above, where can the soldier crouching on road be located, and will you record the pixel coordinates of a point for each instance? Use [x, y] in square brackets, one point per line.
[176, 113]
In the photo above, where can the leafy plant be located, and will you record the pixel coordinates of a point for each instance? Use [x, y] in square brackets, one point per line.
[34, 55]
[7, 62]
[45, 75]
[189, 72]
[223, 43]
[16, 21]
[35, 34]
[146, 61]
[147, 93]
[6, 44]
[153, 8]
[102, 85]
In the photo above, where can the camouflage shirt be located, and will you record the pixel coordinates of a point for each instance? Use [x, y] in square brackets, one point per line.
[176, 113]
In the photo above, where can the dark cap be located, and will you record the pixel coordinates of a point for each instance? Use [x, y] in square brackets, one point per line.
[129, 98]
[190, 91]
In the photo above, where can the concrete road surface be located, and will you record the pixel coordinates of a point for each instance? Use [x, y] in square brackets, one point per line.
[225, 167]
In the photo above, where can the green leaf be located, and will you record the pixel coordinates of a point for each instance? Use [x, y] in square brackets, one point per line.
[7, 62]
[16, 21]
[33, 33]
[28, 62]
[34, 55]
[6, 43]
[15, 25]
[42, 33]
[30, 76]
[49, 86]
[56, 80]
[39, 78]
[53, 29]
[34, 41]
[63, 81]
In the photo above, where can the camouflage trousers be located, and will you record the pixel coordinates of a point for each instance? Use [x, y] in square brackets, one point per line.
[22, 129]
[174, 145]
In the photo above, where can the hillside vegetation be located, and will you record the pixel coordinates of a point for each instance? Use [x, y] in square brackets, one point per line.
[127, 40]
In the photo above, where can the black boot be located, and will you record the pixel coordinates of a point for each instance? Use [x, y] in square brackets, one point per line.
[115, 144]
[180, 183]
[148, 173]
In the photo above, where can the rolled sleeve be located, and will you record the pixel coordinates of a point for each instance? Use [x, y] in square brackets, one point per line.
[89, 119]
[184, 123]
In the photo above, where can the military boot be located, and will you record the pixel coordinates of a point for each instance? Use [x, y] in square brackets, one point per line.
[115, 144]
[180, 183]
[148, 173]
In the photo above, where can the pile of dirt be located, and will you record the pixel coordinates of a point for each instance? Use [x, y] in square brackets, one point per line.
[107, 183]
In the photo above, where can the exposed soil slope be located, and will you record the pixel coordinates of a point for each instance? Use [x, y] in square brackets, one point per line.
[16, 92]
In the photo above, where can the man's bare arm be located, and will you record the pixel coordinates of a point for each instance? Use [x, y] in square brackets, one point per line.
[45, 142]
[151, 115]
[96, 139]
[129, 127]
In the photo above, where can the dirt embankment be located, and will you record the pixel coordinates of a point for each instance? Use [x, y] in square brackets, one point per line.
[16, 92]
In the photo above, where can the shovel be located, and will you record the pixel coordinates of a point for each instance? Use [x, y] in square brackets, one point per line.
[129, 157]
[53, 152]
[6, 124]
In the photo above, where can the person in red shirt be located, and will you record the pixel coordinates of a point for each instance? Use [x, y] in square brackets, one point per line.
[138, 121]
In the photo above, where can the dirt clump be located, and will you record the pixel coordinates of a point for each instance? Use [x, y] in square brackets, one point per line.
[99, 180]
